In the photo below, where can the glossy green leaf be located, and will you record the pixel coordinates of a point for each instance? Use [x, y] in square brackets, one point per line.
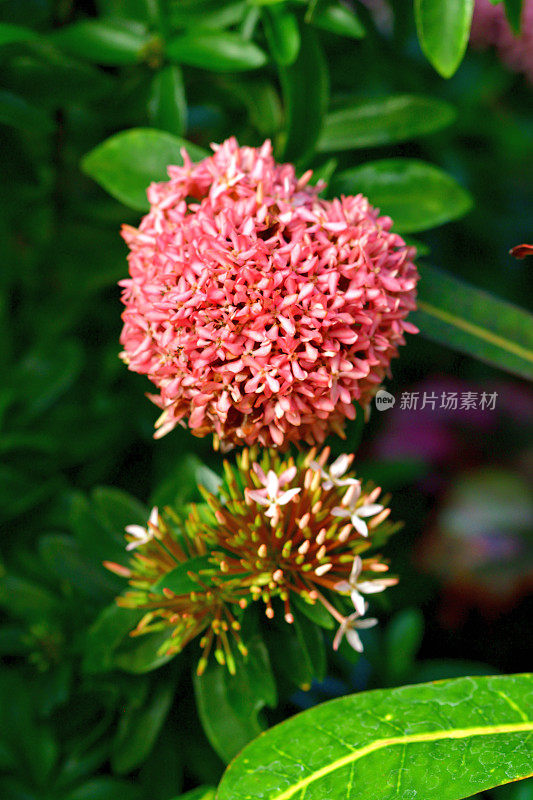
[112, 43]
[220, 51]
[339, 19]
[475, 322]
[513, 12]
[211, 14]
[385, 120]
[139, 726]
[282, 33]
[305, 89]
[18, 113]
[416, 195]
[167, 105]
[126, 163]
[443, 28]
[178, 580]
[201, 793]
[229, 705]
[105, 635]
[105, 789]
[10, 34]
[66, 560]
[140, 654]
[434, 741]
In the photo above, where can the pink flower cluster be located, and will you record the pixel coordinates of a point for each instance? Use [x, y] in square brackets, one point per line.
[490, 27]
[259, 310]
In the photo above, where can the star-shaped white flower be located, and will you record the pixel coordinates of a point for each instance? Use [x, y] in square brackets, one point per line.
[271, 495]
[357, 588]
[143, 535]
[333, 476]
[356, 514]
[348, 628]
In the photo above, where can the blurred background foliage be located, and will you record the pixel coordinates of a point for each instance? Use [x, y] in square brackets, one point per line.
[337, 87]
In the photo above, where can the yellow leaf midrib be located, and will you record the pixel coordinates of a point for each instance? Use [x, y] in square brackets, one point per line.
[476, 330]
[379, 744]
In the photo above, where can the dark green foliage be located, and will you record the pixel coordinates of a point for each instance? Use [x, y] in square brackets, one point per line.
[102, 96]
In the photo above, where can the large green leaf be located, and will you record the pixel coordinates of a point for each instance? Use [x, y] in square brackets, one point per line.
[305, 88]
[443, 27]
[337, 18]
[416, 195]
[126, 163]
[475, 322]
[282, 33]
[17, 112]
[140, 725]
[113, 42]
[441, 741]
[384, 120]
[201, 793]
[229, 705]
[220, 51]
[10, 34]
[167, 105]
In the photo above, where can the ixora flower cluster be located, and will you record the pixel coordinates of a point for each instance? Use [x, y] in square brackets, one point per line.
[261, 313]
[278, 531]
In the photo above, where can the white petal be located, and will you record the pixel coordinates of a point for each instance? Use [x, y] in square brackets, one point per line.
[286, 496]
[340, 465]
[137, 530]
[343, 587]
[358, 524]
[154, 517]
[358, 602]
[370, 510]
[272, 484]
[340, 512]
[258, 495]
[371, 587]
[366, 623]
[357, 566]
[259, 472]
[338, 636]
[352, 637]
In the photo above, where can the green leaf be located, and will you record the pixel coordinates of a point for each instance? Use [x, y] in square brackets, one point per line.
[385, 120]
[513, 12]
[105, 789]
[105, 635]
[403, 638]
[443, 28]
[112, 43]
[305, 88]
[178, 580]
[313, 611]
[416, 195]
[220, 52]
[18, 113]
[167, 105]
[117, 509]
[139, 727]
[140, 654]
[475, 322]
[10, 34]
[229, 705]
[434, 741]
[65, 559]
[201, 793]
[126, 163]
[339, 19]
[282, 33]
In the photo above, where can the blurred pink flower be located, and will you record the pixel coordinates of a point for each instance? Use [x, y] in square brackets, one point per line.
[260, 311]
[490, 27]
